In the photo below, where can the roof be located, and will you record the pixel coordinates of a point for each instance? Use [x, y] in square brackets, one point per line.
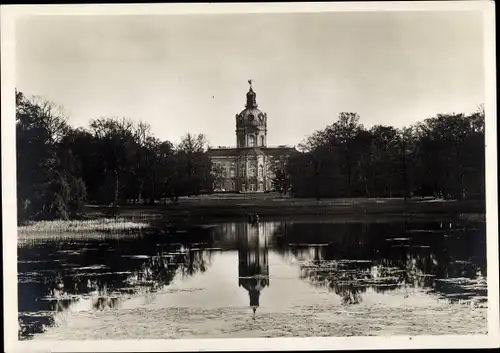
[278, 151]
[223, 152]
[251, 116]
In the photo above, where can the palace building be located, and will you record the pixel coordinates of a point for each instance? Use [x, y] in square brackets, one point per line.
[248, 166]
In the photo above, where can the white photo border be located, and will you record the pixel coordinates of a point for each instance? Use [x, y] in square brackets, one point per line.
[9, 15]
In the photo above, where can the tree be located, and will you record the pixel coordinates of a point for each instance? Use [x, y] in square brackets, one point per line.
[114, 139]
[71, 173]
[281, 179]
[114, 160]
[165, 169]
[48, 184]
[194, 171]
[337, 157]
[441, 155]
[450, 153]
[386, 164]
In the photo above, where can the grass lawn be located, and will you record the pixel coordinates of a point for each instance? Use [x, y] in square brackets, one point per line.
[219, 206]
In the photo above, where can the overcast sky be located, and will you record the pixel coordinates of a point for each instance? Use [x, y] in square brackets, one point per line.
[188, 73]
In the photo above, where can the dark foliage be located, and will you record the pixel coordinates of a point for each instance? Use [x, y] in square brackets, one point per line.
[443, 156]
[114, 161]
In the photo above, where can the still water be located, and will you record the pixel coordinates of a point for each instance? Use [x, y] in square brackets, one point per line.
[266, 280]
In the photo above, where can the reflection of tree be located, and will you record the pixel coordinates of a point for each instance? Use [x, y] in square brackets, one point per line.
[151, 274]
[349, 293]
[342, 278]
[160, 270]
[195, 261]
[54, 277]
[349, 258]
[102, 303]
[155, 273]
[343, 284]
[253, 266]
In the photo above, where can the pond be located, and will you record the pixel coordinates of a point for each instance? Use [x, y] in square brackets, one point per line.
[271, 279]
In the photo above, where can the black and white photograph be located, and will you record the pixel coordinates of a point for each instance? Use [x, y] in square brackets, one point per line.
[249, 176]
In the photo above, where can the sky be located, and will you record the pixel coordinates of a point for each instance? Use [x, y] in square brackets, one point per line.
[188, 73]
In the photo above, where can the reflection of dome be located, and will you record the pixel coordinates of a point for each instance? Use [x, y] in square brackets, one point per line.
[254, 285]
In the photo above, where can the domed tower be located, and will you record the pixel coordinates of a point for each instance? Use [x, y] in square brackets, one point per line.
[251, 124]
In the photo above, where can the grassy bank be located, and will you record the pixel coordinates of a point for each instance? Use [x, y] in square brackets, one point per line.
[228, 206]
[81, 226]
[59, 230]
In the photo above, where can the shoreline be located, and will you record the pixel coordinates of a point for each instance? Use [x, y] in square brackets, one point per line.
[239, 207]
[199, 210]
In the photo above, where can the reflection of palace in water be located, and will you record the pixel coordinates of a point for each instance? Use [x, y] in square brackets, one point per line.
[253, 265]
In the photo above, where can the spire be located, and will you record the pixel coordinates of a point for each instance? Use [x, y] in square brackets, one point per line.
[251, 97]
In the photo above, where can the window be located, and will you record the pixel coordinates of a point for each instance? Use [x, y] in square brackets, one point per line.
[261, 170]
[253, 171]
[251, 141]
[232, 172]
[262, 140]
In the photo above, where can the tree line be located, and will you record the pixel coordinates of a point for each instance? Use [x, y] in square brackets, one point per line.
[443, 156]
[61, 168]
[113, 161]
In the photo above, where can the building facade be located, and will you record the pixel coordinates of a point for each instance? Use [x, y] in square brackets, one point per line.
[248, 167]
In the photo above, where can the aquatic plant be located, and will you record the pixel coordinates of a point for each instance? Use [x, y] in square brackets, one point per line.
[78, 226]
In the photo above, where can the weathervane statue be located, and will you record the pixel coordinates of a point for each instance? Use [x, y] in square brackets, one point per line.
[250, 83]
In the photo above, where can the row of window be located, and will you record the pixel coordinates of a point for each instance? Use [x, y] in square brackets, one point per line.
[252, 186]
[252, 171]
[252, 142]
